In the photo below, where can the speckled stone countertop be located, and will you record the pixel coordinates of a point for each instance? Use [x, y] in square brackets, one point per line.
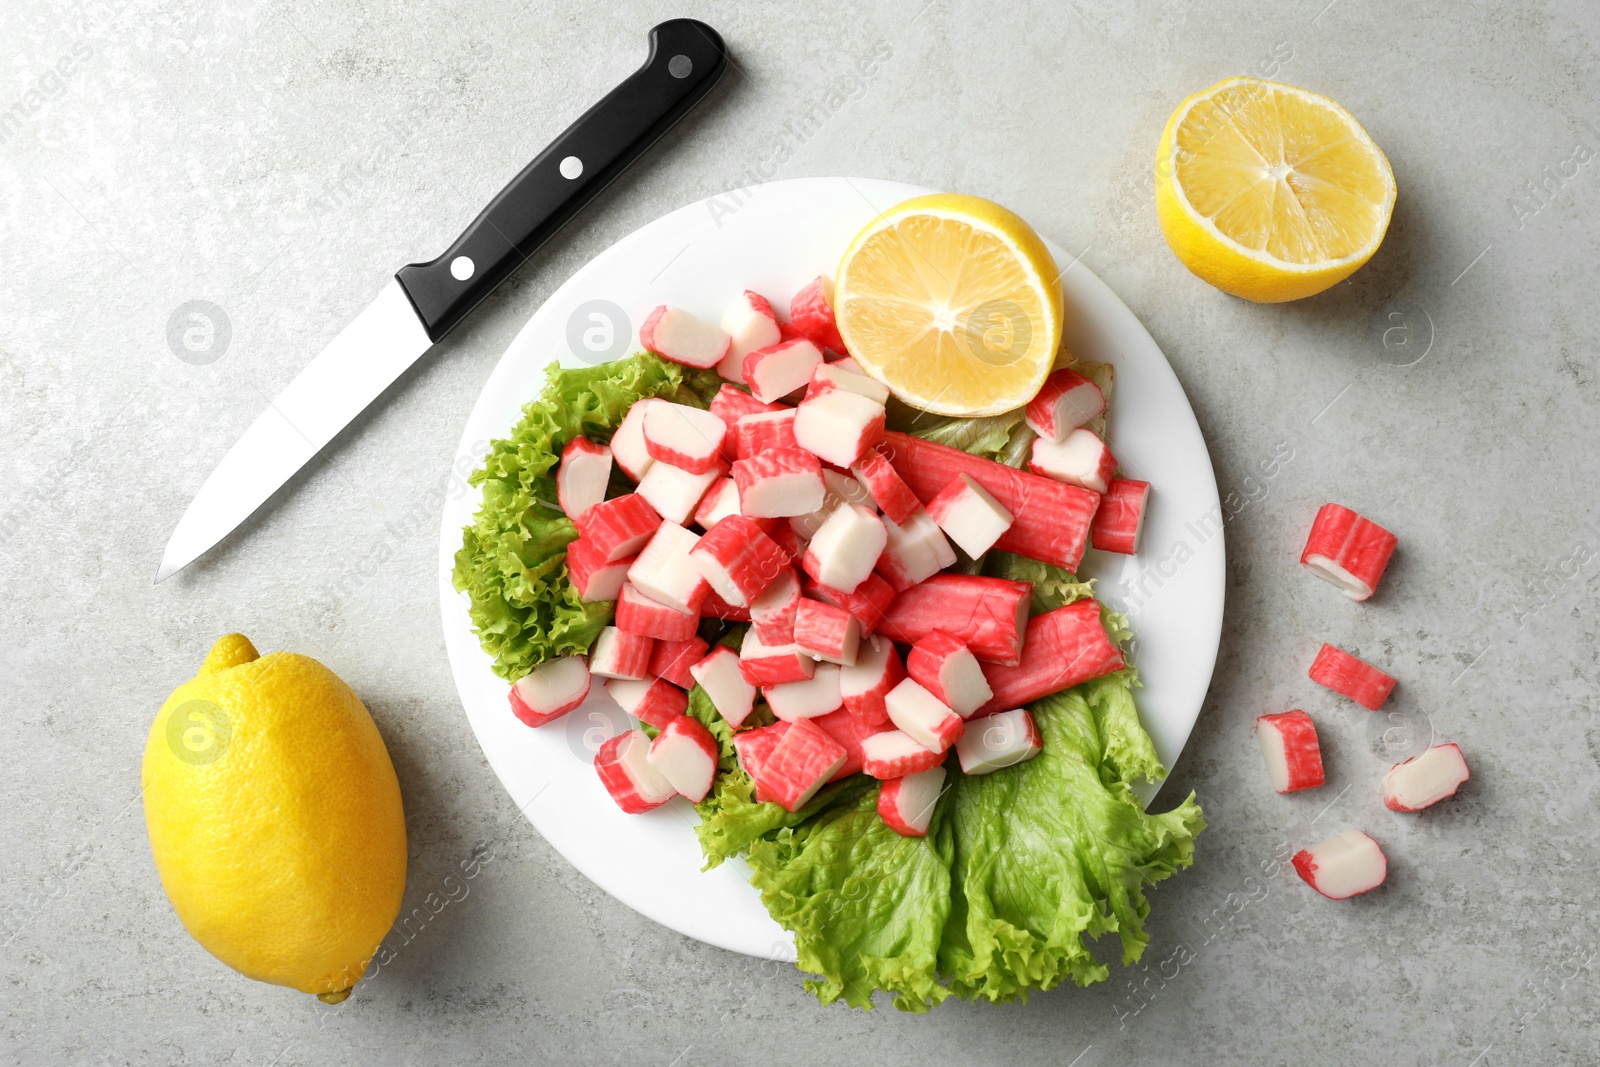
[277, 161]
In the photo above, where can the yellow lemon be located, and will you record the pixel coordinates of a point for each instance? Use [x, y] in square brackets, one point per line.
[952, 302]
[275, 820]
[1270, 192]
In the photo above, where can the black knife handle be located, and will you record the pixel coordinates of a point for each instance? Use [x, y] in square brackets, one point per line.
[686, 60]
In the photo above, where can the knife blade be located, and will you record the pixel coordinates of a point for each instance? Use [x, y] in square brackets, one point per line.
[425, 301]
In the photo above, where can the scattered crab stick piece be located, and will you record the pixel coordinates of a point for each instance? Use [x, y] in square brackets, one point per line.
[654, 700]
[1083, 459]
[906, 804]
[1351, 677]
[688, 438]
[997, 741]
[732, 404]
[779, 483]
[674, 660]
[738, 560]
[865, 684]
[1348, 550]
[751, 324]
[1423, 780]
[969, 515]
[1342, 866]
[617, 528]
[638, 614]
[802, 762]
[623, 764]
[1289, 746]
[887, 489]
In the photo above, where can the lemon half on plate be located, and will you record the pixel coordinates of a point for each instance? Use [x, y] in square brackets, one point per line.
[1270, 192]
[952, 302]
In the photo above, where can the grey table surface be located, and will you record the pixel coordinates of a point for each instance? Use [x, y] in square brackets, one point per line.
[278, 160]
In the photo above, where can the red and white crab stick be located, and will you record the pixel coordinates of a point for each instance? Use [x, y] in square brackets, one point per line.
[1348, 550]
[1289, 746]
[1050, 518]
[986, 614]
[1061, 649]
[1120, 520]
[1351, 677]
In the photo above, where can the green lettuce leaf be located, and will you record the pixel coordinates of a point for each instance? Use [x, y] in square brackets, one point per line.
[866, 905]
[987, 436]
[1053, 587]
[1058, 849]
[512, 561]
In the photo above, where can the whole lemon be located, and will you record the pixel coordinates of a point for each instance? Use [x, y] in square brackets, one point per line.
[275, 819]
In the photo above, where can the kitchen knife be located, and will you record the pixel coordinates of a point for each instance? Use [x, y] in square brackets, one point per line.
[425, 301]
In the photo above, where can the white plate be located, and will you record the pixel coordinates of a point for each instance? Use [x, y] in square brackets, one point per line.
[774, 239]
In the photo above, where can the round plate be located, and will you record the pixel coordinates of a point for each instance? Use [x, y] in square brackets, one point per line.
[774, 239]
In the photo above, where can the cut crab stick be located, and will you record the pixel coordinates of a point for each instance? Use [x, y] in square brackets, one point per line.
[801, 763]
[618, 528]
[1351, 677]
[906, 804]
[1423, 780]
[590, 574]
[714, 607]
[1061, 649]
[751, 324]
[1064, 402]
[1083, 459]
[807, 698]
[772, 612]
[846, 548]
[1348, 550]
[831, 376]
[688, 438]
[826, 631]
[838, 490]
[849, 731]
[720, 501]
[685, 754]
[638, 614]
[945, 667]
[1342, 866]
[914, 551]
[887, 489]
[864, 685]
[732, 404]
[665, 572]
[969, 515]
[752, 747]
[719, 674]
[674, 660]
[674, 334]
[754, 434]
[867, 602]
[895, 754]
[996, 741]
[1051, 518]
[738, 560]
[654, 700]
[922, 716]
[674, 492]
[986, 614]
[582, 478]
[764, 664]
[1289, 746]
[779, 483]
[811, 314]
[838, 425]
[623, 764]
[550, 690]
[1117, 524]
[618, 654]
[627, 443]
[779, 369]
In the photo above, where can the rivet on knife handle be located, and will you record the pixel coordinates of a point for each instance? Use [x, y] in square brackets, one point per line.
[686, 59]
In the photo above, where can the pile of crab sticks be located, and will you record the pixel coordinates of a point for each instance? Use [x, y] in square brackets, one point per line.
[789, 507]
[1351, 552]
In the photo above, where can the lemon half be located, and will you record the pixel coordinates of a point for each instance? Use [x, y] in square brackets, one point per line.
[952, 302]
[1270, 192]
